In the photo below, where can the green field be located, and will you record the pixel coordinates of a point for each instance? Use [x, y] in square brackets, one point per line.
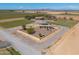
[4, 16]
[10, 14]
[67, 23]
[14, 23]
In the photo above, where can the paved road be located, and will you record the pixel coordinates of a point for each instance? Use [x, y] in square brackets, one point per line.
[21, 46]
[53, 38]
[12, 19]
[44, 44]
[27, 46]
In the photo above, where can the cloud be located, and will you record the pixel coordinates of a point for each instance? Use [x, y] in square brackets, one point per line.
[73, 7]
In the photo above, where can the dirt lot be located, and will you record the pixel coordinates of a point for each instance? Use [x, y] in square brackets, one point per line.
[68, 44]
[73, 14]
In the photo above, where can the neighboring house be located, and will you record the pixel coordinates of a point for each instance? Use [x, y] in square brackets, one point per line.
[41, 20]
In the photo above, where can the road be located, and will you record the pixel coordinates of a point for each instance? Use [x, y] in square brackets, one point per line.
[53, 38]
[45, 43]
[12, 19]
[22, 47]
[27, 46]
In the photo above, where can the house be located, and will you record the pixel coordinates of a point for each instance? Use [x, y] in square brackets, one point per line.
[41, 20]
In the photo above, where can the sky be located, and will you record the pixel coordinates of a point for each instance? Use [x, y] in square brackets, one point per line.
[54, 6]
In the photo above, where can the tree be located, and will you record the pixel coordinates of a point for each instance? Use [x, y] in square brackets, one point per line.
[11, 10]
[49, 17]
[27, 17]
[55, 18]
[66, 13]
[64, 18]
[31, 30]
[40, 35]
[71, 18]
[24, 27]
[23, 11]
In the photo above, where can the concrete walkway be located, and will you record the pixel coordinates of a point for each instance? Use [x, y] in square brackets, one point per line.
[21, 46]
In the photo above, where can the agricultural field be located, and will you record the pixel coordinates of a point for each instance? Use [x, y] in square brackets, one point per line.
[12, 14]
[14, 23]
[67, 23]
[7, 15]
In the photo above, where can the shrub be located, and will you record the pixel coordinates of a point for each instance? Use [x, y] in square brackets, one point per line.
[24, 27]
[30, 30]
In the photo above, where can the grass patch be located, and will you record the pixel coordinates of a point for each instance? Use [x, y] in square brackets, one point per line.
[67, 23]
[14, 23]
[13, 51]
[4, 16]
